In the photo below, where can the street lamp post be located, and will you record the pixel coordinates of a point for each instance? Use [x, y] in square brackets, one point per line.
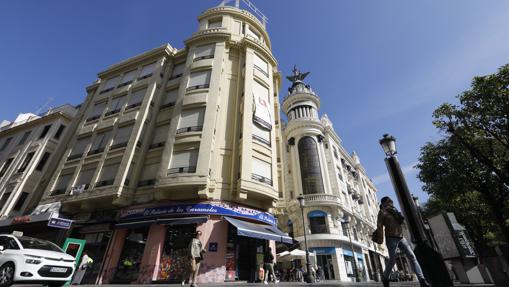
[309, 277]
[430, 260]
[346, 221]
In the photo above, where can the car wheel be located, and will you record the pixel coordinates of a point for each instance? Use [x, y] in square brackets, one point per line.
[6, 275]
[55, 284]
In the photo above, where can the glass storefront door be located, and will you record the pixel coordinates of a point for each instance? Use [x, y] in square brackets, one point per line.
[175, 264]
[132, 253]
[96, 244]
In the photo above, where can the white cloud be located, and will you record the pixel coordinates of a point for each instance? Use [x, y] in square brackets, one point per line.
[384, 178]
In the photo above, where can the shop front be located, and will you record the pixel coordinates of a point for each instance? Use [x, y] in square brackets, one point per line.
[151, 244]
[351, 265]
[325, 261]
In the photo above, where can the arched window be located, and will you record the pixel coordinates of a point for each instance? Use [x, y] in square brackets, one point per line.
[310, 170]
[318, 221]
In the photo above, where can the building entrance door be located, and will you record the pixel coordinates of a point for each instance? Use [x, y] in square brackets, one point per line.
[325, 262]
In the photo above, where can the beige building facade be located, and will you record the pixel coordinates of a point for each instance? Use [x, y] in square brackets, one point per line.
[340, 199]
[177, 140]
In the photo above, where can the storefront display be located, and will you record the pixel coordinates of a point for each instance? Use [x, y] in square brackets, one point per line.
[175, 264]
[130, 258]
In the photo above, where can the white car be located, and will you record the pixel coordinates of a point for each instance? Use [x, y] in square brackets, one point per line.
[29, 260]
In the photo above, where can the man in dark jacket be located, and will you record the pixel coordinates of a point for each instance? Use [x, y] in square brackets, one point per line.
[390, 218]
[268, 260]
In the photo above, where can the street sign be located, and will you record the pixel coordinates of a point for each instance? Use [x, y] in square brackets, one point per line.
[59, 223]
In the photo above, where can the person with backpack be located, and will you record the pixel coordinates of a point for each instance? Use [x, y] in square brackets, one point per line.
[390, 218]
[268, 260]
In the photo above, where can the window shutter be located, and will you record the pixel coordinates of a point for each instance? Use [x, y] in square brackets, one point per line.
[63, 181]
[109, 171]
[117, 103]
[200, 78]
[261, 134]
[262, 106]
[147, 70]
[262, 168]
[170, 96]
[80, 146]
[129, 76]
[123, 134]
[98, 109]
[206, 51]
[111, 83]
[160, 134]
[178, 70]
[261, 64]
[85, 176]
[191, 118]
[101, 140]
[137, 97]
[184, 159]
[149, 171]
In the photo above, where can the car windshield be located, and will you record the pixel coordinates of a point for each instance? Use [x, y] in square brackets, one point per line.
[34, 243]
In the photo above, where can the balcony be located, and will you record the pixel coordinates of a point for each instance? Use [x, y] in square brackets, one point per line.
[203, 58]
[322, 199]
[261, 179]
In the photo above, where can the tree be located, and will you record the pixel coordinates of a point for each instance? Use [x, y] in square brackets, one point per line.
[468, 170]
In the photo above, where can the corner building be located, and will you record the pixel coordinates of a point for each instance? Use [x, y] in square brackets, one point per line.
[173, 141]
[336, 190]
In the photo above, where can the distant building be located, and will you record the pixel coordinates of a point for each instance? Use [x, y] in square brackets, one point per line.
[334, 185]
[27, 147]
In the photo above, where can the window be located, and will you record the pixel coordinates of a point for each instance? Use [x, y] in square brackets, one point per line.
[169, 99]
[191, 120]
[136, 98]
[59, 132]
[25, 163]
[110, 84]
[261, 171]
[147, 71]
[115, 105]
[79, 148]
[24, 138]
[63, 182]
[261, 135]
[44, 131]
[178, 70]
[8, 243]
[122, 137]
[42, 162]
[108, 174]
[21, 201]
[128, 78]
[311, 173]
[100, 142]
[6, 143]
[261, 65]
[344, 227]
[204, 52]
[148, 175]
[97, 111]
[262, 114]
[6, 166]
[4, 199]
[253, 33]
[215, 23]
[160, 136]
[85, 177]
[199, 80]
[317, 222]
[184, 161]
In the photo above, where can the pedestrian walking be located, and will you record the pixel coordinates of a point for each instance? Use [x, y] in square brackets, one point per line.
[268, 260]
[86, 263]
[390, 218]
[196, 253]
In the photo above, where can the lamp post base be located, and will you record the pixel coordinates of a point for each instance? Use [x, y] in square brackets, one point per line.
[310, 278]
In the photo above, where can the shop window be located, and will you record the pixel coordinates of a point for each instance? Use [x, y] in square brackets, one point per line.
[6, 143]
[26, 162]
[310, 166]
[128, 78]
[317, 222]
[24, 138]
[130, 259]
[44, 131]
[173, 264]
[59, 132]
[43, 161]
[350, 265]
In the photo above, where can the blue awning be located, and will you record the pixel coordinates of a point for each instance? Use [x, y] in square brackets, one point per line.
[261, 231]
[349, 253]
[182, 220]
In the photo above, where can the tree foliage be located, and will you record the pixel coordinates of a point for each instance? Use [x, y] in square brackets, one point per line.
[467, 172]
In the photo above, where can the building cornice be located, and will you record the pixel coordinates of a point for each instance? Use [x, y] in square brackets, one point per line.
[35, 122]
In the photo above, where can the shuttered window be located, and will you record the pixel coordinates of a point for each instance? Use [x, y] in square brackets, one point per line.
[191, 120]
[24, 138]
[26, 162]
[261, 135]
[108, 174]
[100, 142]
[110, 84]
[160, 136]
[261, 171]
[149, 171]
[79, 147]
[215, 23]
[85, 176]
[262, 114]
[122, 136]
[6, 166]
[128, 77]
[204, 52]
[199, 80]
[136, 98]
[261, 65]
[96, 111]
[184, 161]
[62, 183]
[147, 71]
[178, 70]
[170, 97]
[116, 105]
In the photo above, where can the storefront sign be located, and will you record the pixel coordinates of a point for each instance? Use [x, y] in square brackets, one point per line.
[198, 208]
[213, 246]
[323, 250]
[60, 223]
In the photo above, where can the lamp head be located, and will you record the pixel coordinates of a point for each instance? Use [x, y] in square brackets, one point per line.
[301, 200]
[388, 144]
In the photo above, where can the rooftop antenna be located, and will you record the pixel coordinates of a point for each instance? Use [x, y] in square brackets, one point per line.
[43, 106]
[251, 6]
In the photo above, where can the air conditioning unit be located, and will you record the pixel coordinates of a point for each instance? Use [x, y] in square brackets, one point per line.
[75, 190]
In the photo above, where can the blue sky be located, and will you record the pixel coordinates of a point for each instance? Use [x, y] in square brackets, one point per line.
[378, 66]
